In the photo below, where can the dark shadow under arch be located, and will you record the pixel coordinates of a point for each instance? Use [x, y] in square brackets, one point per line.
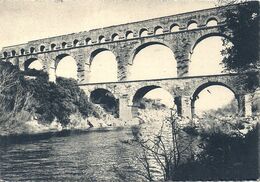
[129, 34]
[141, 32]
[28, 62]
[115, 37]
[212, 19]
[22, 51]
[106, 100]
[42, 48]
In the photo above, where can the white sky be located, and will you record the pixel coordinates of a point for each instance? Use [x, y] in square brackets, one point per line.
[25, 20]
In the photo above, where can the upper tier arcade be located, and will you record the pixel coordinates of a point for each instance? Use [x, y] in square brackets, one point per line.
[157, 26]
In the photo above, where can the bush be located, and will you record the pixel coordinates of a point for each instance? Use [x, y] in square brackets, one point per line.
[49, 100]
[225, 154]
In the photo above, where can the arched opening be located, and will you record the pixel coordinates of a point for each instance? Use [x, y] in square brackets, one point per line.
[115, 37]
[101, 39]
[42, 48]
[158, 30]
[192, 25]
[33, 63]
[106, 100]
[13, 52]
[206, 58]
[53, 46]
[66, 66]
[75, 42]
[5, 54]
[22, 51]
[174, 28]
[143, 32]
[150, 100]
[129, 35]
[214, 99]
[153, 61]
[88, 41]
[32, 50]
[212, 22]
[63, 45]
[103, 66]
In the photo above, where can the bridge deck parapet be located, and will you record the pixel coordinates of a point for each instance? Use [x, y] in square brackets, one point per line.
[165, 79]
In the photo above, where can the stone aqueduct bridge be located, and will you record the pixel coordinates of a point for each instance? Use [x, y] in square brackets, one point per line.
[125, 41]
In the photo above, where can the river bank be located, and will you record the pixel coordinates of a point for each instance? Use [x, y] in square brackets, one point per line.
[29, 137]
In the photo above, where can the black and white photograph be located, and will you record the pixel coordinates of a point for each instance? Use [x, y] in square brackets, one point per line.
[129, 90]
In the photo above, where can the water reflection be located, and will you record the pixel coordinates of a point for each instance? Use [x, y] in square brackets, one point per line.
[93, 156]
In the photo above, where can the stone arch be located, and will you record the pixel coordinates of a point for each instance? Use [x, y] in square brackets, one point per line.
[202, 63]
[59, 58]
[129, 35]
[115, 37]
[5, 54]
[101, 39]
[106, 99]
[88, 41]
[75, 42]
[13, 53]
[111, 61]
[22, 51]
[174, 27]
[212, 21]
[63, 45]
[192, 25]
[153, 51]
[68, 69]
[212, 18]
[139, 47]
[143, 32]
[53, 45]
[203, 86]
[95, 53]
[207, 36]
[29, 61]
[140, 93]
[32, 50]
[42, 48]
[158, 30]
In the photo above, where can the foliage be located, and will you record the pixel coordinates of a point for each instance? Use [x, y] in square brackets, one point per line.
[59, 100]
[230, 109]
[43, 100]
[15, 101]
[106, 100]
[167, 147]
[229, 2]
[34, 72]
[222, 157]
[243, 23]
[151, 103]
[215, 147]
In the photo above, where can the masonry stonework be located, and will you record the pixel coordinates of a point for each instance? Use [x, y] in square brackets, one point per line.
[84, 46]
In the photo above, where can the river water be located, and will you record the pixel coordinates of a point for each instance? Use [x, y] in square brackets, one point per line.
[88, 156]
